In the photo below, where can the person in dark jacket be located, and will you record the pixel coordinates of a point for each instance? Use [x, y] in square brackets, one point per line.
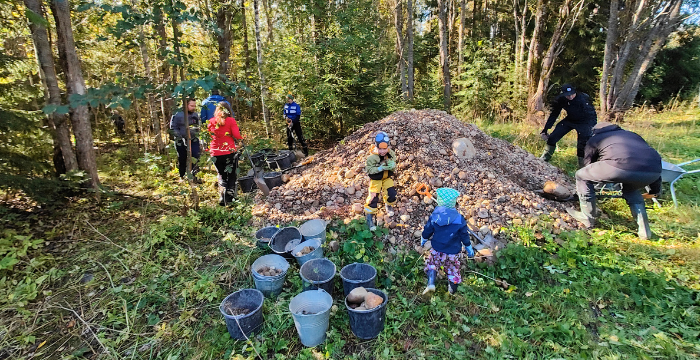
[178, 128]
[614, 155]
[209, 106]
[118, 122]
[580, 116]
[450, 234]
[292, 114]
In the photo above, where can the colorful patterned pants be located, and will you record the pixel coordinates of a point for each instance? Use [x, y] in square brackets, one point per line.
[448, 262]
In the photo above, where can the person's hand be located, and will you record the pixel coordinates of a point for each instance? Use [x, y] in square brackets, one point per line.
[469, 250]
[380, 168]
[423, 241]
[544, 136]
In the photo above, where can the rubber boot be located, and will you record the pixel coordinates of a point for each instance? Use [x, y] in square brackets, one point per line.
[370, 222]
[452, 287]
[580, 162]
[222, 192]
[639, 213]
[548, 152]
[390, 210]
[431, 281]
[587, 214]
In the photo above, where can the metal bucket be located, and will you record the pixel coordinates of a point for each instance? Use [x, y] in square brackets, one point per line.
[314, 229]
[285, 240]
[241, 326]
[356, 275]
[313, 325]
[270, 286]
[273, 179]
[265, 233]
[318, 274]
[367, 324]
[317, 253]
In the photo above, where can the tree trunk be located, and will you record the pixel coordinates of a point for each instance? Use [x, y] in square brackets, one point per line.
[270, 38]
[76, 85]
[400, 65]
[166, 103]
[223, 39]
[460, 45]
[534, 58]
[568, 15]
[246, 49]
[46, 63]
[444, 54]
[610, 38]
[409, 50]
[160, 146]
[263, 85]
[140, 136]
[650, 24]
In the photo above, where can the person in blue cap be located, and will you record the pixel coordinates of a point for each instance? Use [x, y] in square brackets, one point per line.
[580, 116]
[380, 167]
[292, 114]
[450, 234]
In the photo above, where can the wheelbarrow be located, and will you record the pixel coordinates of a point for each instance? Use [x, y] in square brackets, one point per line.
[424, 189]
[671, 173]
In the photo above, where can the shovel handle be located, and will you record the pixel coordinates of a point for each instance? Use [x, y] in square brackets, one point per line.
[423, 189]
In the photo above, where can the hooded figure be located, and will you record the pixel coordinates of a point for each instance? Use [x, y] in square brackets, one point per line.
[450, 233]
[614, 155]
[209, 106]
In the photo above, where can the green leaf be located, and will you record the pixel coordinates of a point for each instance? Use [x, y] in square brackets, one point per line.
[35, 18]
[8, 262]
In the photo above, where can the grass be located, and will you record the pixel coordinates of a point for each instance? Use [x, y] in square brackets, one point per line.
[140, 275]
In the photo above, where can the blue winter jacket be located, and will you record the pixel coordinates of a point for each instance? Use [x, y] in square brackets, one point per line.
[292, 111]
[449, 229]
[209, 106]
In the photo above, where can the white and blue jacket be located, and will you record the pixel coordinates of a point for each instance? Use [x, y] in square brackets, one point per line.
[292, 111]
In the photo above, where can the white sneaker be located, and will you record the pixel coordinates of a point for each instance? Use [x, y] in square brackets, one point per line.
[390, 210]
[429, 289]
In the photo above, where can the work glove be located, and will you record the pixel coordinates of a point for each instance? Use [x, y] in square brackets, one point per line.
[423, 241]
[544, 136]
[469, 250]
[380, 168]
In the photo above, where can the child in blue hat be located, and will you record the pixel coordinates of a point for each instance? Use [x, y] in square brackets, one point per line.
[450, 234]
[380, 167]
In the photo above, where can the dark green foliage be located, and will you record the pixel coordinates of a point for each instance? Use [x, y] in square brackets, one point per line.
[676, 70]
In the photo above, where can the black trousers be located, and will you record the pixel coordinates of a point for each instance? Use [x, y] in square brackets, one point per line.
[584, 132]
[602, 171]
[182, 158]
[226, 168]
[296, 127]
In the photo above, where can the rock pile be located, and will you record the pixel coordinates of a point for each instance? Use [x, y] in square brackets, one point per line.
[496, 179]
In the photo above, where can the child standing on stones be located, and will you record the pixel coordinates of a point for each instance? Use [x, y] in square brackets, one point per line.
[450, 234]
[380, 168]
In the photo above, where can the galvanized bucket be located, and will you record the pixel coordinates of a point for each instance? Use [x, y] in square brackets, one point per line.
[311, 312]
[317, 253]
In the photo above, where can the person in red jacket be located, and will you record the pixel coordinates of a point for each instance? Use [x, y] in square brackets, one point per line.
[224, 131]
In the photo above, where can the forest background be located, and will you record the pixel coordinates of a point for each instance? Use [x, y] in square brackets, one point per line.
[347, 63]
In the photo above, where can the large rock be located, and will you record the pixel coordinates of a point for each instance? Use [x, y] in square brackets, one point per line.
[463, 148]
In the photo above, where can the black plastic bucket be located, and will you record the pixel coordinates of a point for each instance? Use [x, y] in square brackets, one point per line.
[258, 159]
[318, 274]
[273, 179]
[264, 236]
[356, 275]
[247, 183]
[284, 241]
[367, 324]
[292, 155]
[242, 326]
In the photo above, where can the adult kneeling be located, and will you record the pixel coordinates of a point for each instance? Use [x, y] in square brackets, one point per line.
[614, 155]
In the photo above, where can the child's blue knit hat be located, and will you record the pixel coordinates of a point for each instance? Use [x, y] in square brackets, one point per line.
[447, 197]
